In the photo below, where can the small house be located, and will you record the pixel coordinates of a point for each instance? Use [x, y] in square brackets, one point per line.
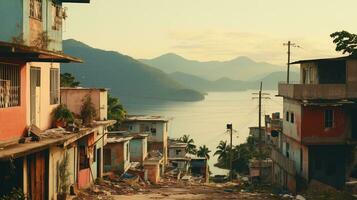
[117, 153]
[157, 128]
[177, 155]
[138, 147]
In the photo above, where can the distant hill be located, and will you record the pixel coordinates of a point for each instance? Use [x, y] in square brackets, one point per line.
[270, 82]
[124, 75]
[241, 68]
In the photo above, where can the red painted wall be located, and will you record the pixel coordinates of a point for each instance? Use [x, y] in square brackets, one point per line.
[84, 175]
[13, 120]
[313, 122]
[84, 178]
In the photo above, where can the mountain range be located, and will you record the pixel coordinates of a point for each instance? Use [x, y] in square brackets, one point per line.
[124, 75]
[168, 77]
[240, 68]
[270, 82]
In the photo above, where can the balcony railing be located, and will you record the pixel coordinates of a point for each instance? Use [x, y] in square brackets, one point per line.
[283, 161]
[314, 91]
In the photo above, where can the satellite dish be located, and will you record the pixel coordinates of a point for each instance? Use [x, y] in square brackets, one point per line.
[274, 133]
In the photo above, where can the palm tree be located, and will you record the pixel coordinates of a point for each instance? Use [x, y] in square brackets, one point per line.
[191, 147]
[116, 110]
[222, 150]
[203, 152]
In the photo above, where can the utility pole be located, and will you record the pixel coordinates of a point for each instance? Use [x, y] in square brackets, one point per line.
[230, 128]
[289, 44]
[260, 97]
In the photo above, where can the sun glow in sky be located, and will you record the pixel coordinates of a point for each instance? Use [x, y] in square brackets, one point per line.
[212, 29]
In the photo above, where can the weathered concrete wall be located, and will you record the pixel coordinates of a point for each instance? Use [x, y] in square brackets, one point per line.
[73, 99]
[72, 165]
[313, 129]
[138, 150]
[153, 173]
[11, 19]
[352, 78]
[120, 162]
[55, 157]
[173, 154]
[292, 129]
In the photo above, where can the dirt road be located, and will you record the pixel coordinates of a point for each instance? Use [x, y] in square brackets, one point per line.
[193, 193]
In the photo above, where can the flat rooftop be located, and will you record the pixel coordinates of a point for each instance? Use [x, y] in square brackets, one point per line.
[178, 145]
[143, 118]
[343, 58]
[118, 139]
[83, 88]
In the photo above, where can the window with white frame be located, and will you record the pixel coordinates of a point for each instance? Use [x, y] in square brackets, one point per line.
[36, 9]
[328, 118]
[54, 86]
[9, 85]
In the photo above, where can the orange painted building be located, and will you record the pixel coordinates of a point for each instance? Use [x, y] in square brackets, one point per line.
[13, 118]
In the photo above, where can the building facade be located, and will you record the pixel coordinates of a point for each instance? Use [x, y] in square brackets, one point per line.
[157, 128]
[31, 150]
[319, 124]
[117, 154]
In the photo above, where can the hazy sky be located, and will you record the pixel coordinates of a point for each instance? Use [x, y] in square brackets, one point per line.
[212, 29]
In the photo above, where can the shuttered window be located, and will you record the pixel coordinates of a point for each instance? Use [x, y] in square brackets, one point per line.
[36, 9]
[54, 86]
[9, 85]
[56, 16]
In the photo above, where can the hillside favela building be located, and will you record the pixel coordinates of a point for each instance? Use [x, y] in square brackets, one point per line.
[155, 126]
[319, 129]
[31, 149]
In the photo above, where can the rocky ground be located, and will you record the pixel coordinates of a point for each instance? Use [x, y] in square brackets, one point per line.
[171, 189]
[176, 192]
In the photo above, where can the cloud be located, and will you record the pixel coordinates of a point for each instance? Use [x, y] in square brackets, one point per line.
[226, 45]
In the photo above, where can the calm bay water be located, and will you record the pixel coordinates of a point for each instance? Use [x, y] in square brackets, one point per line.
[205, 121]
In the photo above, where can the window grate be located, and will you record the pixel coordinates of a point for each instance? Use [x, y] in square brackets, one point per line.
[9, 85]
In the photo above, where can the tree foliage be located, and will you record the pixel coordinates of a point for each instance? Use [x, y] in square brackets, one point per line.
[191, 147]
[203, 152]
[88, 111]
[241, 155]
[116, 111]
[222, 150]
[68, 80]
[345, 42]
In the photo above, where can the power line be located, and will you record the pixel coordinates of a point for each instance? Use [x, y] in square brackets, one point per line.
[289, 44]
[260, 97]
